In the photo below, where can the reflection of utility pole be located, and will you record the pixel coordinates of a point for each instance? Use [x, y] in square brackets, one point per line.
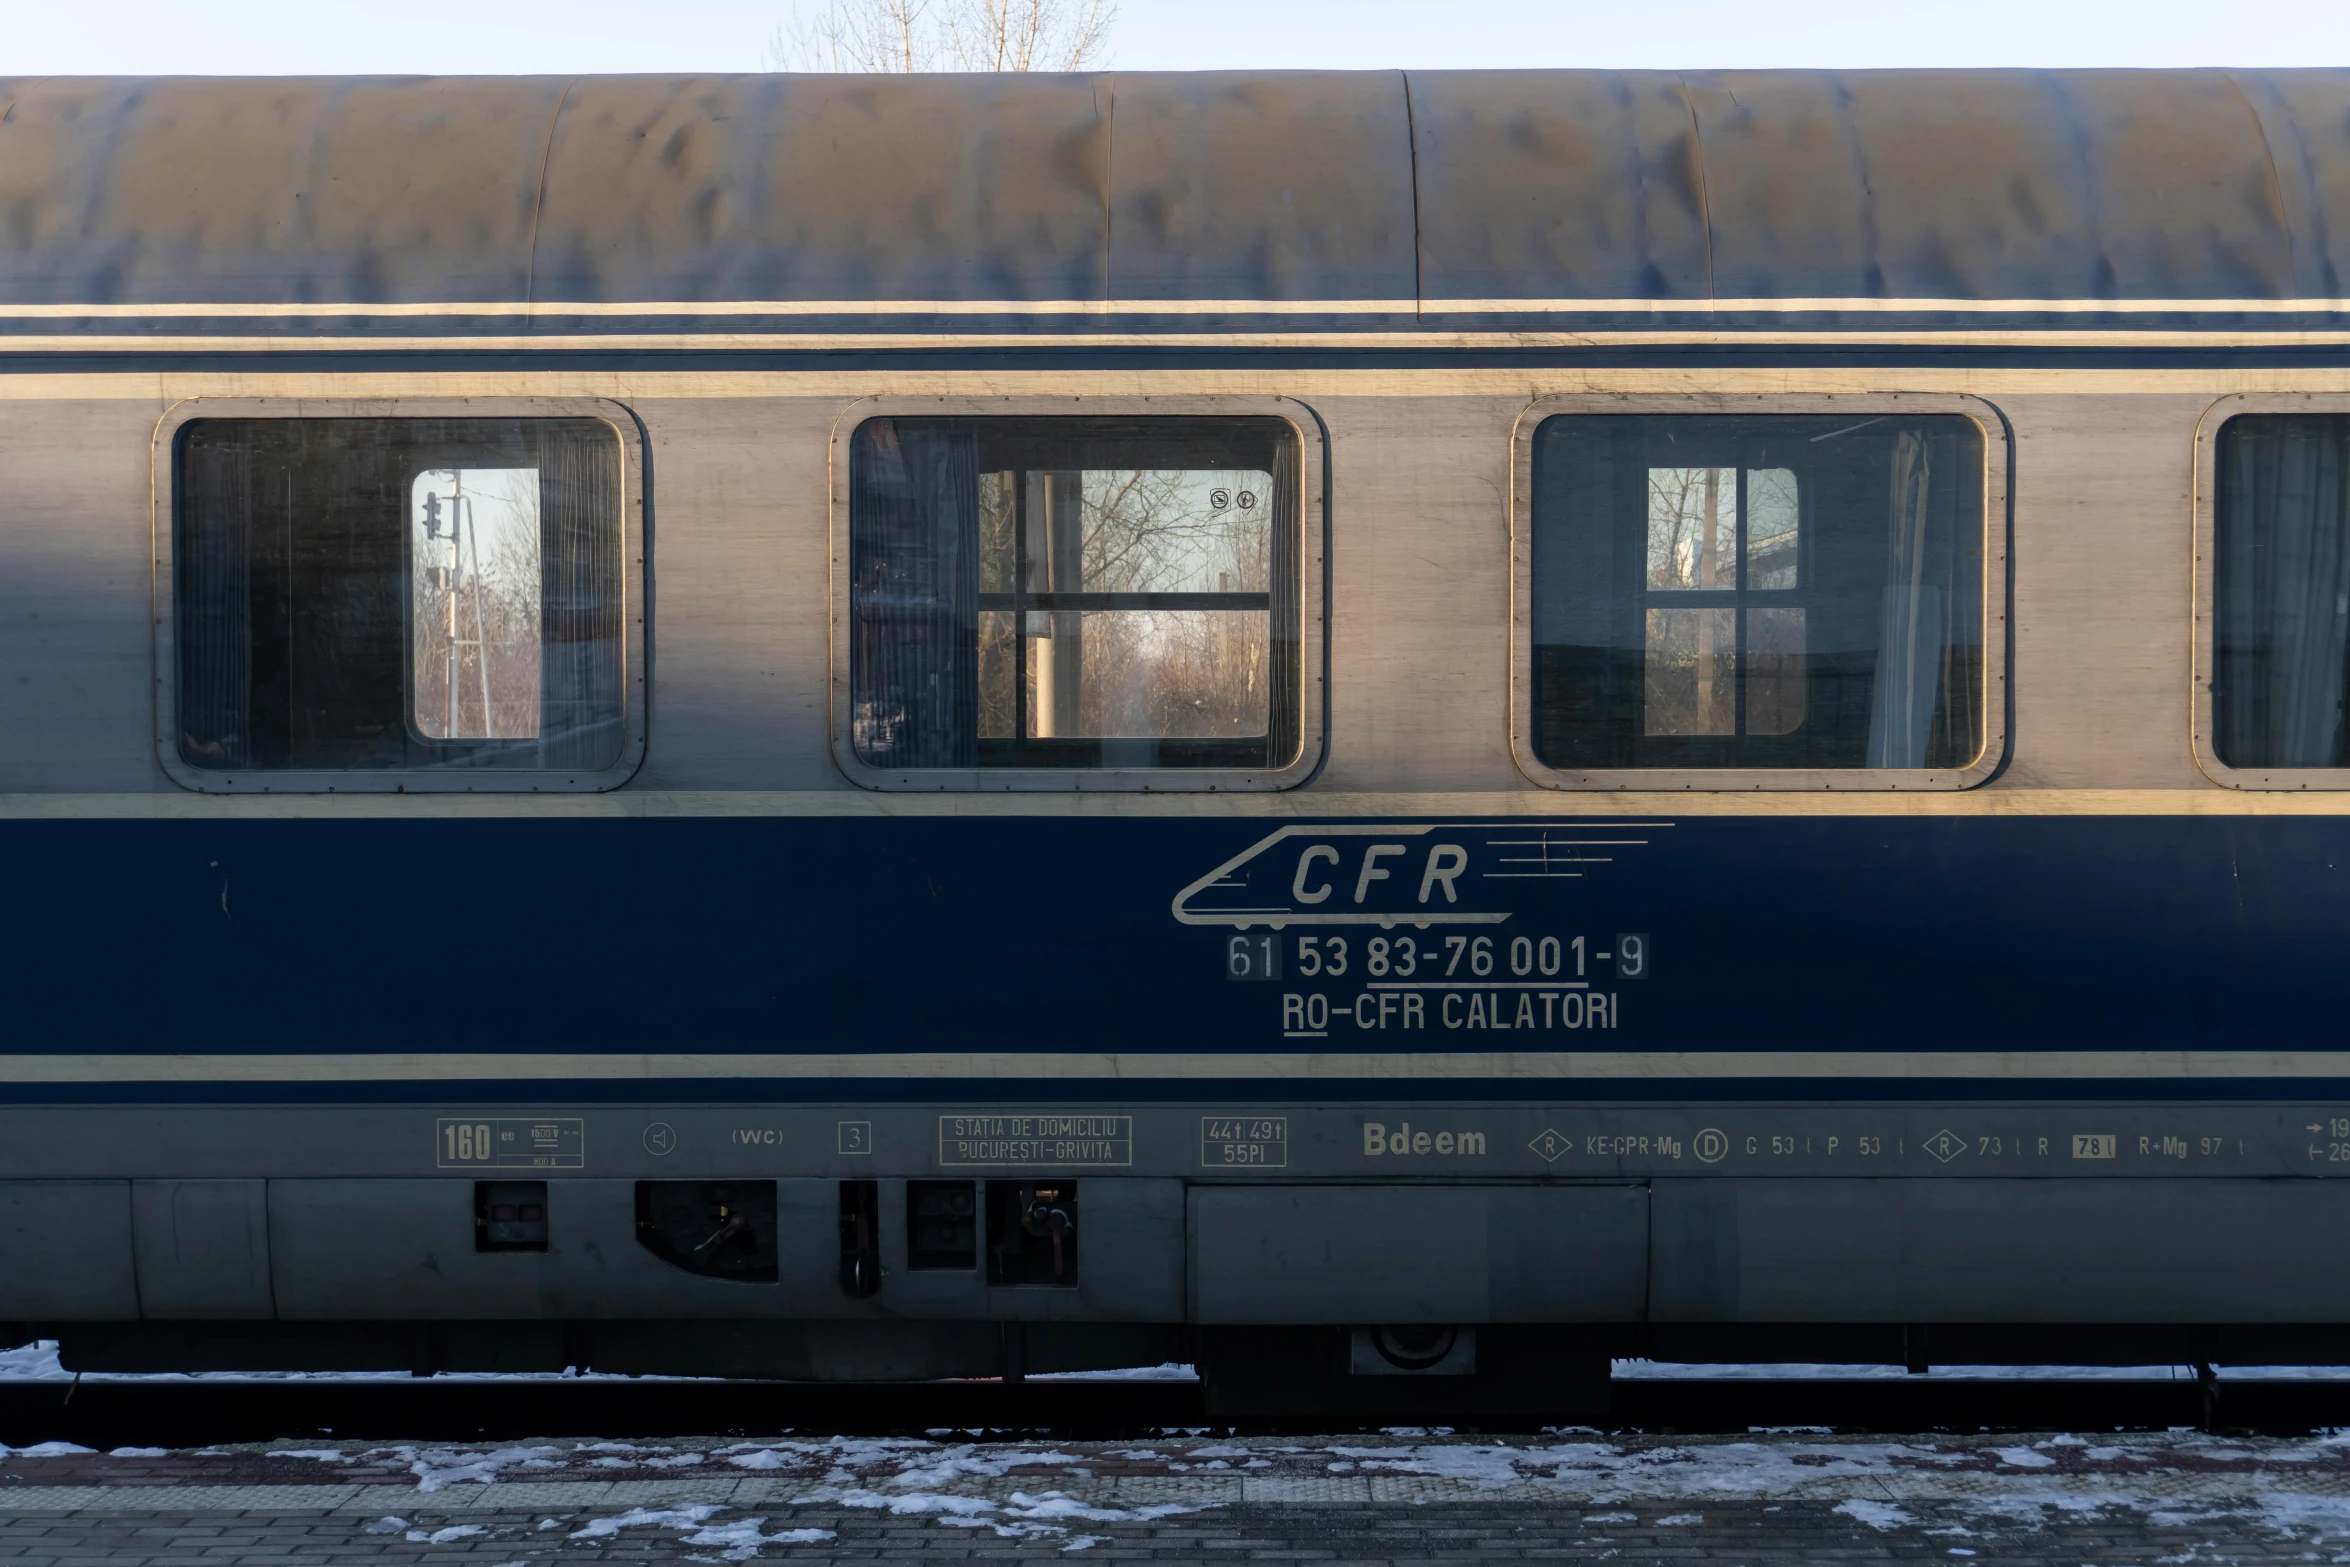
[464, 535]
[1060, 653]
[1224, 632]
[1708, 567]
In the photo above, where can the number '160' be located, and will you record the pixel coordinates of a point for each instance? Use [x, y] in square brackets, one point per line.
[466, 1142]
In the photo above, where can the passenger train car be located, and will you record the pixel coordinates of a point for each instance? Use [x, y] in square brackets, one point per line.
[1395, 732]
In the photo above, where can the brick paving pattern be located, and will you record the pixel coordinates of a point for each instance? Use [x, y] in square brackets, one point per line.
[1403, 1499]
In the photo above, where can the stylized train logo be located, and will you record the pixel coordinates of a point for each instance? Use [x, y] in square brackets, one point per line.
[1421, 874]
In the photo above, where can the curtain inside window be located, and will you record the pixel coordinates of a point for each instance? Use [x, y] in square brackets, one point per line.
[1910, 644]
[582, 604]
[914, 586]
[2281, 594]
[1287, 665]
[213, 586]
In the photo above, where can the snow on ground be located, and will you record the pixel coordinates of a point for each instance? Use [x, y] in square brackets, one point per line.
[732, 1500]
[738, 1541]
[920, 1471]
[1018, 1517]
[1171, 1371]
[2293, 1490]
[1981, 1491]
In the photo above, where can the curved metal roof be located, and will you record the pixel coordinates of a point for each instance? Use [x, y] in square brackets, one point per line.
[1358, 200]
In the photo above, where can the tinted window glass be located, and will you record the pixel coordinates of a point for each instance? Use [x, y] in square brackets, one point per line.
[1074, 593]
[398, 593]
[1783, 591]
[2281, 591]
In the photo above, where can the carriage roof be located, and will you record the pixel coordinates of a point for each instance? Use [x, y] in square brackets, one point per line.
[1371, 193]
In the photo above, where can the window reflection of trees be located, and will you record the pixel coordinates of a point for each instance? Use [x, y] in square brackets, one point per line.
[1695, 657]
[1162, 532]
[1692, 525]
[1160, 673]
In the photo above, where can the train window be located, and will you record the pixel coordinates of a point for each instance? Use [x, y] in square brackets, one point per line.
[2281, 592]
[438, 595]
[1761, 592]
[1074, 593]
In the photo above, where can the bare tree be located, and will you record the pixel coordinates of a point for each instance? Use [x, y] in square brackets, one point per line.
[856, 35]
[1028, 35]
[897, 36]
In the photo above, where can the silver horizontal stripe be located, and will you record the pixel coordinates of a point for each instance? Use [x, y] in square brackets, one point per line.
[896, 324]
[1563, 336]
[720, 308]
[1528, 808]
[1615, 1065]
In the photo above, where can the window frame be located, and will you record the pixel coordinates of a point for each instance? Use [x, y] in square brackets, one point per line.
[1998, 528]
[1312, 610]
[2205, 639]
[164, 605]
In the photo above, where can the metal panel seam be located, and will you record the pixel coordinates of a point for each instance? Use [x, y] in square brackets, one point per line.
[1648, 1258]
[1705, 205]
[2268, 157]
[277, 1310]
[1411, 136]
[1109, 119]
[130, 1217]
[538, 206]
[9, 113]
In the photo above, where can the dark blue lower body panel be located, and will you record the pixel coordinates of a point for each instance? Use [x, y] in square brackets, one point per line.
[2168, 947]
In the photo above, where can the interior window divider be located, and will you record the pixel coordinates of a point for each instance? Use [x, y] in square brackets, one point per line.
[1020, 609]
[1738, 617]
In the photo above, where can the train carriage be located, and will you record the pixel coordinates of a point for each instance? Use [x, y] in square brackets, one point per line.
[1394, 732]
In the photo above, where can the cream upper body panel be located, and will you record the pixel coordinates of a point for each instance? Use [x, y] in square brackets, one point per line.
[2103, 572]
[1419, 583]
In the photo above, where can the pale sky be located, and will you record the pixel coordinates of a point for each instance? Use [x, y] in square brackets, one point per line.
[342, 37]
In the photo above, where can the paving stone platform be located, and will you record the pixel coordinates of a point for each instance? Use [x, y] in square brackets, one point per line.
[1408, 1497]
